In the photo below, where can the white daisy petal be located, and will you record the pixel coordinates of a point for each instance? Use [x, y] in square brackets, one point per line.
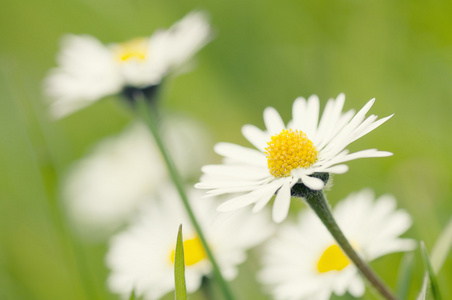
[373, 126]
[255, 136]
[337, 169]
[262, 194]
[224, 184]
[273, 121]
[312, 182]
[357, 287]
[262, 202]
[272, 188]
[240, 201]
[230, 190]
[87, 72]
[338, 127]
[184, 39]
[239, 171]
[362, 154]
[282, 202]
[298, 113]
[332, 121]
[312, 114]
[326, 117]
[363, 111]
[341, 140]
[241, 154]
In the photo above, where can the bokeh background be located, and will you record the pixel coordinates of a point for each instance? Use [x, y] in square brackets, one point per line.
[265, 53]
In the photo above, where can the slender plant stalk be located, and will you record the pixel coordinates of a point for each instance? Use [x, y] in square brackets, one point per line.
[318, 203]
[149, 116]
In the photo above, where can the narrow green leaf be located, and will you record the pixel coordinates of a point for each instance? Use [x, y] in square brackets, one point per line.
[179, 268]
[132, 295]
[441, 248]
[423, 293]
[405, 275]
[431, 274]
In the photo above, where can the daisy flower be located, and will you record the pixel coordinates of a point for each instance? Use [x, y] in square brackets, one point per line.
[142, 256]
[104, 189]
[89, 70]
[299, 153]
[304, 262]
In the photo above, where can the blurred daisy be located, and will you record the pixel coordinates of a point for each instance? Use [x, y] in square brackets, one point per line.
[289, 155]
[142, 257]
[88, 70]
[104, 189]
[304, 261]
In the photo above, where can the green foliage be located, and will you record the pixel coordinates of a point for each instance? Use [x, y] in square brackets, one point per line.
[430, 283]
[441, 248]
[179, 268]
[423, 294]
[405, 275]
[433, 264]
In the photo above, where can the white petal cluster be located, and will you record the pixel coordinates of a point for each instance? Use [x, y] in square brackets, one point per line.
[139, 257]
[107, 187]
[245, 170]
[89, 70]
[290, 261]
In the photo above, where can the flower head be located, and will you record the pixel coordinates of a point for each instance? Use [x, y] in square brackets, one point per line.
[142, 256]
[289, 155]
[105, 188]
[304, 262]
[88, 70]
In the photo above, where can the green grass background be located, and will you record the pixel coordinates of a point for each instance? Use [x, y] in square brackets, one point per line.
[265, 53]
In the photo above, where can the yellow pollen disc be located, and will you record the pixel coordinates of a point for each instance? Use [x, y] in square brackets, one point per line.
[332, 259]
[135, 49]
[193, 252]
[289, 150]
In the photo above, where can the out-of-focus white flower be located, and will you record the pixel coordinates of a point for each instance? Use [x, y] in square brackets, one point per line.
[287, 155]
[304, 262]
[88, 70]
[142, 256]
[105, 188]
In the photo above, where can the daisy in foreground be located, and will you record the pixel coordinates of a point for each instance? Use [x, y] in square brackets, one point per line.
[304, 262]
[89, 70]
[142, 257]
[299, 153]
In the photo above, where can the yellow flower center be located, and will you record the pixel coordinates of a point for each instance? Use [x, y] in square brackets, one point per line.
[135, 49]
[289, 150]
[193, 252]
[332, 259]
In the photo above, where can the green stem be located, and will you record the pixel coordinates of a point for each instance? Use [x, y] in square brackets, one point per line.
[149, 116]
[318, 203]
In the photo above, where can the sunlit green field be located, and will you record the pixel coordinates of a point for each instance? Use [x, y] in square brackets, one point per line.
[264, 54]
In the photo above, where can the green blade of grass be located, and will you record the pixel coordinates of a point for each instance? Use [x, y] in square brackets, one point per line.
[405, 275]
[179, 268]
[431, 274]
[441, 248]
[423, 292]
[132, 295]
